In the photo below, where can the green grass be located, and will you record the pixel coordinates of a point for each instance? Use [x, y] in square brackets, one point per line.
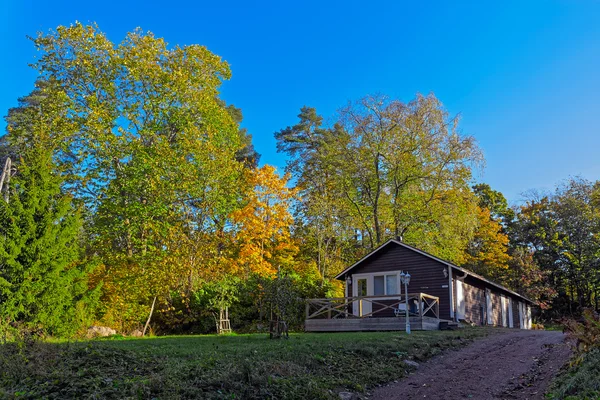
[306, 366]
[580, 382]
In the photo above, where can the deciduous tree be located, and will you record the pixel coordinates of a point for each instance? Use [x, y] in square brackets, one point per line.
[150, 150]
[262, 225]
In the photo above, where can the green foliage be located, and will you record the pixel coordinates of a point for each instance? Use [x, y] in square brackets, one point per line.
[581, 382]
[307, 366]
[563, 232]
[526, 277]
[147, 146]
[251, 303]
[383, 169]
[43, 281]
[494, 201]
[170, 204]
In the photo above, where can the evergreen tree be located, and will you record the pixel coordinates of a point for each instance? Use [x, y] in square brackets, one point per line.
[42, 283]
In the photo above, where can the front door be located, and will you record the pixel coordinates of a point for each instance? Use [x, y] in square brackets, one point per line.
[361, 308]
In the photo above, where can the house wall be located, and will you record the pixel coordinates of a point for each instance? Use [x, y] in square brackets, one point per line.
[496, 309]
[475, 307]
[427, 275]
[476, 303]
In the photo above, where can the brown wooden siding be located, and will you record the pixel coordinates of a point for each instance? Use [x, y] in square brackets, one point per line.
[475, 307]
[427, 274]
[496, 309]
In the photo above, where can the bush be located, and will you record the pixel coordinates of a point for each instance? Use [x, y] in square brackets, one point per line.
[585, 332]
[251, 303]
[582, 379]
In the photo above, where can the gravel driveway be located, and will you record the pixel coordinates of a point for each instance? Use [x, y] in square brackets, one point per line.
[514, 365]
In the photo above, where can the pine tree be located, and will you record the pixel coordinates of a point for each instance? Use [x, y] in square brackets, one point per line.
[42, 281]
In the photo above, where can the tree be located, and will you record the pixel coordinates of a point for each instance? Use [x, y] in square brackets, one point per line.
[562, 231]
[527, 278]
[487, 252]
[322, 222]
[262, 226]
[494, 201]
[43, 280]
[577, 211]
[149, 149]
[383, 169]
[247, 154]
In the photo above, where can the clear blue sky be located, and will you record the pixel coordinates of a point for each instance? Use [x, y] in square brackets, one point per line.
[525, 75]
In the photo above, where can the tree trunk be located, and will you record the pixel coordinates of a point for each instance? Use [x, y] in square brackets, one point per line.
[149, 317]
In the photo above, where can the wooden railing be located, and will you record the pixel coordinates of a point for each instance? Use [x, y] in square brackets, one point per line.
[419, 305]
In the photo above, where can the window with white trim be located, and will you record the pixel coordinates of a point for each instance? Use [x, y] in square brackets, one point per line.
[385, 284]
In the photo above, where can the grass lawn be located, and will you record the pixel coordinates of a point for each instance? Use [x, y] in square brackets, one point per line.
[306, 366]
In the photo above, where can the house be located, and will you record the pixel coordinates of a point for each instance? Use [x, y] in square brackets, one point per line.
[438, 291]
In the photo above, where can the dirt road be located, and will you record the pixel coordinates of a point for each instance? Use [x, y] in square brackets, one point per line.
[515, 365]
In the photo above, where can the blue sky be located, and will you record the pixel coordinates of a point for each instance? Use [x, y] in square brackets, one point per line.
[524, 75]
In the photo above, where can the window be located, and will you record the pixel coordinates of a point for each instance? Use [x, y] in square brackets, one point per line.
[385, 285]
[378, 289]
[391, 284]
[362, 287]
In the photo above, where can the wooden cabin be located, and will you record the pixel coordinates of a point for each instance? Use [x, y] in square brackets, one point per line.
[438, 292]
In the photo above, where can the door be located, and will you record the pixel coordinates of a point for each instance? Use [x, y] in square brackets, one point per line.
[361, 308]
[521, 319]
[504, 314]
[460, 300]
[510, 313]
[490, 308]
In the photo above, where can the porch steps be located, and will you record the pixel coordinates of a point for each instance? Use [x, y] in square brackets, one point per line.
[449, 325]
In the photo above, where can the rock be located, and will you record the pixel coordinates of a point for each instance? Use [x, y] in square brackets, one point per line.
[346, 396]
[99, 331]
[136, 333]
[411, 363]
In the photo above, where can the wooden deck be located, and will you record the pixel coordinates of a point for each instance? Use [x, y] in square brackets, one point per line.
[372, 313]
[371, 324]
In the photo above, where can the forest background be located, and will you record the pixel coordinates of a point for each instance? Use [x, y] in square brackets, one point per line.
[133, 191]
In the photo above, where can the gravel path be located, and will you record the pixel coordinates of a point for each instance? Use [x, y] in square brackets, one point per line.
[515, 365]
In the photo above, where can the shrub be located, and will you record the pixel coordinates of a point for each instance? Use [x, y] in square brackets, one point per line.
[586, 332]
[581, 381]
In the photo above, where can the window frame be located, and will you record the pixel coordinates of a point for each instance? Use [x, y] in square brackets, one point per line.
[371, 282]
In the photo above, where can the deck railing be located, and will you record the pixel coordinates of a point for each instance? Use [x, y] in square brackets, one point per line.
[419, 305]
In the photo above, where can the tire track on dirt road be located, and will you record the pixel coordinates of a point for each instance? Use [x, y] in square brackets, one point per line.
[516, 365]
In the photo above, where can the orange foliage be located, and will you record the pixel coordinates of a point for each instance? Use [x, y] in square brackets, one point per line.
[487, 253]
[262, 226]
